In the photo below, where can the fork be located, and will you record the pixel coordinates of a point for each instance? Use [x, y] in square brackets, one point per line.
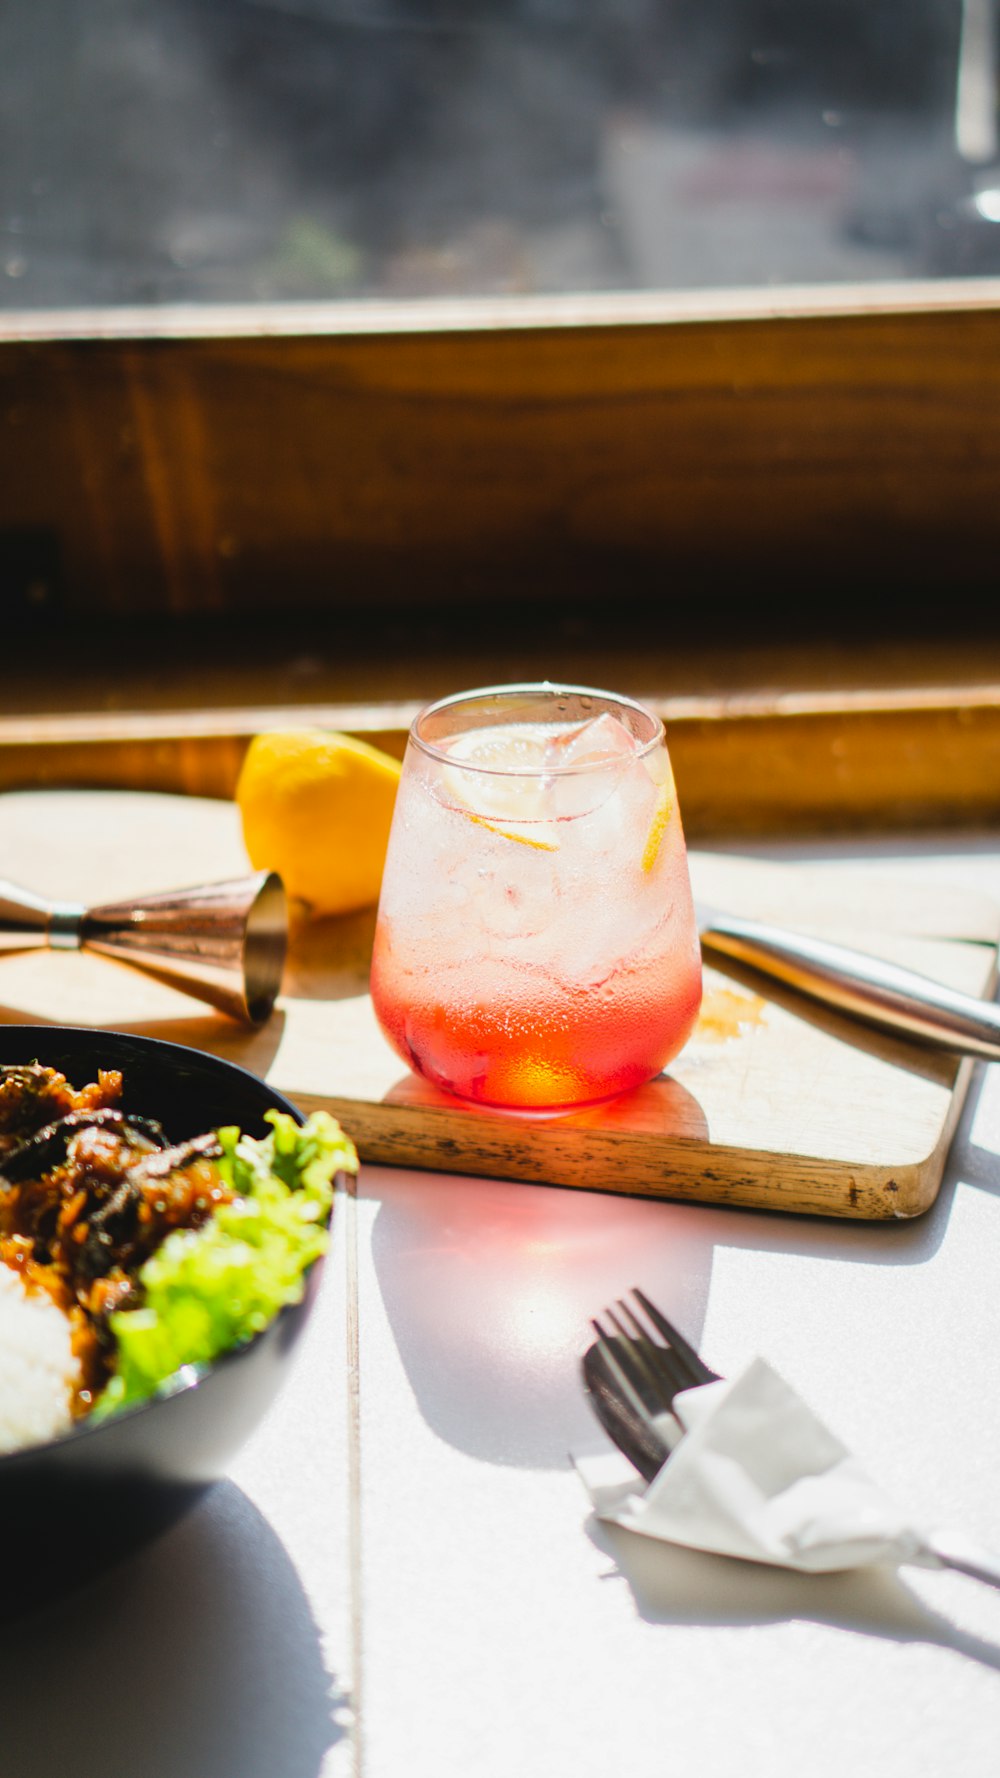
[634, 1372]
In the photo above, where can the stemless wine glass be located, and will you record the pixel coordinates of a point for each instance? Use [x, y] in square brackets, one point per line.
[536, 945]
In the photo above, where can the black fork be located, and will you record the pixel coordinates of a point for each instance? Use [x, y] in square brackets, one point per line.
[632, 1373]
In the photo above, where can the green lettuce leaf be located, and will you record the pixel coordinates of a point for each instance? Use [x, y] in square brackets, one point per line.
[209, 1289]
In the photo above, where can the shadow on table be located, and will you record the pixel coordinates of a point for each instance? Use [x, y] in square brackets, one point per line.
[671, 1585]
[970, 1162]
[489, 1285]
[200, 1656]
[489, 1288]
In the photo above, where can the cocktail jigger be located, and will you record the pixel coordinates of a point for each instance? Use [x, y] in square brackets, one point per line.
[222, 942]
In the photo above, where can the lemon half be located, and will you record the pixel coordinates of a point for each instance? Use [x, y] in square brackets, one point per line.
[316, 807]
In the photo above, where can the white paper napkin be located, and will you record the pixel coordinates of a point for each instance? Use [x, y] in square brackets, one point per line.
[757, 1475]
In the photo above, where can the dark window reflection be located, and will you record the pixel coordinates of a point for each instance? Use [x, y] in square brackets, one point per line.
[216, 150]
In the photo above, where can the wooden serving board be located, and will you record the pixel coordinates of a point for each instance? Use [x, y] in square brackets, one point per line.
[772, 1104]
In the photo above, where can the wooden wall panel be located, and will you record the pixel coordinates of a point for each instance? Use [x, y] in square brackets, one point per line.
[846, 455]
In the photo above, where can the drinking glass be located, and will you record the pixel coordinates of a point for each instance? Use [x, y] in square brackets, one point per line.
[536, 945]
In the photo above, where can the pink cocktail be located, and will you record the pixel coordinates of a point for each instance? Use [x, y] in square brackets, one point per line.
[536, 944]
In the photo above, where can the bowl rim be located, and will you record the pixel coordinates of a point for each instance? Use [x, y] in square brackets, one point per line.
[190, 1376]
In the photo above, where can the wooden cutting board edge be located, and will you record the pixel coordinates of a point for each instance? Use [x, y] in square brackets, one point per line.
[646, 1165]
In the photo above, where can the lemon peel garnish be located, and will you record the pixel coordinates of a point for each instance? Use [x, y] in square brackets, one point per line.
[522, 839]
[479, 787]
[658, 826]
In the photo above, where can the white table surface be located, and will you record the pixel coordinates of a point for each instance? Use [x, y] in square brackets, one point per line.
[402, 1577]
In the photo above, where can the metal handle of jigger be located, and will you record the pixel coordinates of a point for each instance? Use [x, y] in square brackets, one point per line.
[224, 943]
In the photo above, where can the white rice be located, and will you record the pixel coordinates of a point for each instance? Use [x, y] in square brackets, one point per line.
[37, 1367]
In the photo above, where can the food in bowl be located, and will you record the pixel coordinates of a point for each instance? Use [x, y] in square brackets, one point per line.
[126, 1258]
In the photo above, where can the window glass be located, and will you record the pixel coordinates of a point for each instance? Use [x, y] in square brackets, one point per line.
[241, 150]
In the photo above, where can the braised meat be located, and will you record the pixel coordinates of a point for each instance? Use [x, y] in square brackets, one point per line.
[31, 1096]
[87, 1193]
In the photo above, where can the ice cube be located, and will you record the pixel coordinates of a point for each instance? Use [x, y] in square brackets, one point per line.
[585, 765]
[599, 741]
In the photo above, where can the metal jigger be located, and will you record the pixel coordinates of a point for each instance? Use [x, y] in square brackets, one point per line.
[222, 942]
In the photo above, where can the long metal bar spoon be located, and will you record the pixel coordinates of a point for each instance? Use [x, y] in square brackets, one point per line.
[883, 994]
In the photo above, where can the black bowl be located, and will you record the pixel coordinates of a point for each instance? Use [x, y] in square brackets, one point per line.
[101, 1489]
